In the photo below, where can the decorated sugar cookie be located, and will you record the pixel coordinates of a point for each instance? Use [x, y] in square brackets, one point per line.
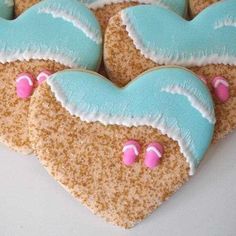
[122, 151]
[105, 9]
[6, 9]
[196, 6]
[143, 37]
[47, 38]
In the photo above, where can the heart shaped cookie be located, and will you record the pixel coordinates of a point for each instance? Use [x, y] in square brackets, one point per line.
[122, 151]
[196, 6]
[6, 9]
[105, 9]
[47, 38]
[142, 37]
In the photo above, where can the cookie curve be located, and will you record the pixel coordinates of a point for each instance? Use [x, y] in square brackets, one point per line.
[159, 56]
[158, 123]
[31, 47]
[193, 10]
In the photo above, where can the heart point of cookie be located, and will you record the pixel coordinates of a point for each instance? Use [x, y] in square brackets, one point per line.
[81, 125]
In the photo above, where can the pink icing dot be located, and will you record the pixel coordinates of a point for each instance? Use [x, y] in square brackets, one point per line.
[153, 156]
[131, 150]
[24, 85]
[221, 88]
[42, 76]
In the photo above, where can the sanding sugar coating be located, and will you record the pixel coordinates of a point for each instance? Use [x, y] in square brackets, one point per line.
[64, 31]
[172, 100]
[6, 9]
[208, 39]
[178, 6]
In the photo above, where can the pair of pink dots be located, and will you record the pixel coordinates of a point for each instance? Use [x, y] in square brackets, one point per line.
[153, 155]
[221, 88]
[25, 83]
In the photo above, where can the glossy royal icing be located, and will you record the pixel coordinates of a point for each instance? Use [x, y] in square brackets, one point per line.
[178, 6]
[143, 102]
[64, 31]
[6, 9]
[166, 38]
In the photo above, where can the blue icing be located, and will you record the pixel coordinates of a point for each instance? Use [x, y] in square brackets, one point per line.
[178, 6]
[143, 102]
[167, 38]
[54, 30]
[6, 9]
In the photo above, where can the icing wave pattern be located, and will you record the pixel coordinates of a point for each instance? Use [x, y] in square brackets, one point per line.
[208, 39]
[63, 31]
[145, 101]
[177, 6]
[194, 99]
[93, 34]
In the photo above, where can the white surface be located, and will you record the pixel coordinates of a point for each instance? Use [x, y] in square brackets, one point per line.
[32, 203]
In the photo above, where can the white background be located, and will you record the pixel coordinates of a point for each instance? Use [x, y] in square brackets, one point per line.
[33, 204]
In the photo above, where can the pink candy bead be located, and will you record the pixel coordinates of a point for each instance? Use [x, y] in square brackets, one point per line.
[43, 76]
[131, 150]
[221, 88]
[153, 156]
[24, 85]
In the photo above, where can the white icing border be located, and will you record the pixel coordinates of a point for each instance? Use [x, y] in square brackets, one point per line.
[101, 3]
[77, 23]
[37, 55]
[228, 21]
[161, 59]
[206, 113]
[152, 121]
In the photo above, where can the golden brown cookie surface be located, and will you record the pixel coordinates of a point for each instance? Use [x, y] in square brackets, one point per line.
[13, 110]
[123, 62]
[22, 5]
[80, 140]
[46, 44]
[86, 160]
[104, 14]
